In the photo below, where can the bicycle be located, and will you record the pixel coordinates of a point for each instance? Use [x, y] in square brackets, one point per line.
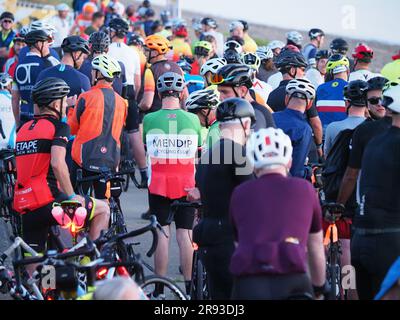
[199, 283]
[333, 212]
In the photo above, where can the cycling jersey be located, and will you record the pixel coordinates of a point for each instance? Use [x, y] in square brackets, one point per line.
[271, 243]
[195, 68]
[264, 117]
[391, 71]
[25, 77]
[25, 50]
[172, 138]
[330, 103]
[275, 80]
[180, 48]
[7, 120]
[262, 88]
[36, 184]
[315, 77]
[293, 123]
[380, 182]
[11, 65]
[363, 75]
[213, 136]
[194, 83]
[6, 40]
[97, 122]
[118, 83]
[309, 52]
[129, 57]
[152, 73]
[76, 80]
[249, 44]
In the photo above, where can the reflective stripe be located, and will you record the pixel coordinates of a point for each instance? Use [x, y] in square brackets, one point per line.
[331, 103]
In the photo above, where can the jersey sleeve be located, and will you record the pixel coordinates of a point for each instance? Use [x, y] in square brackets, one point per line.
[149, 82]
[61, 135]
[312, 112]
[356, 151]
[85, 83]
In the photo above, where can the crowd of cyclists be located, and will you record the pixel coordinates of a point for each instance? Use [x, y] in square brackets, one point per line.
[215, 120]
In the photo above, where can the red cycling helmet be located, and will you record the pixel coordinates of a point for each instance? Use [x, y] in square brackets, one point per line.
[362, 51]
[291, 47]
[181, 31]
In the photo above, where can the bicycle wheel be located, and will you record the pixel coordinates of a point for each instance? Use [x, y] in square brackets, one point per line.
[171, 290]
[334, 274]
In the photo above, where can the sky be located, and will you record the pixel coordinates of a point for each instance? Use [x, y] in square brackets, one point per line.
[363, 19]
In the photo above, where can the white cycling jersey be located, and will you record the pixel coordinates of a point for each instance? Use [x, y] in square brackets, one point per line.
[129, 57]
[7, 119]
[315, 77]
[262, 88]
[364, 75]
[275, 80]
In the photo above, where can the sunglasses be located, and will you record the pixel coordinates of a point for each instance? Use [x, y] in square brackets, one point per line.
[7, 21]
[217, 79]
[375, 100]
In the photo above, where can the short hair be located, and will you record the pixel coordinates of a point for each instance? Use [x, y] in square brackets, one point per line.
[98, 15]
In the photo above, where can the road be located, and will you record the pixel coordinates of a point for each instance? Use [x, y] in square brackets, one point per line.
[134, 203]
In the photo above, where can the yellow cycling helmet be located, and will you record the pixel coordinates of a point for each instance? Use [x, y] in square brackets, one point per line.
[391, 84]
[338, 63]
[202, 48]
[252, 60]
[108, 66]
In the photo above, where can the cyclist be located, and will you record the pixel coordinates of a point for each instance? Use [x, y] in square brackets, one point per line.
[355, 95]
[269, 225]
[75, 51]
[7, 36]
[260, 88]
[300, 94]
[209, 27]
[180, 45]
[210, 68]
[363, 56]
[62, 22]
[276, 46]
[26, 73]
[148, 21]
[374, 96]
[235, 81]
[220, 171]
[292, 65]
[43, 176]
[202, 53]
[317, 74]
[11, 63]
[317, 39]
[330, 99]
[172, 137]
[294, 38]
[97, 144]
[97, 22]
[236, 29]
[233, 51]
[204, 104]
[377, 222]
[391, 71]
[6, 114]
[267, 68]
[193, 82]
[249, 44]
[137, 43]
[84, 19]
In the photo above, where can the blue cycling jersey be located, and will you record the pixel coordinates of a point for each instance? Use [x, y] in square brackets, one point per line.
[25, 50]
[295, 125]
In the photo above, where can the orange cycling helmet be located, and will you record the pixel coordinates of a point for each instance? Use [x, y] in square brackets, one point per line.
[158, 43]
[89, 8]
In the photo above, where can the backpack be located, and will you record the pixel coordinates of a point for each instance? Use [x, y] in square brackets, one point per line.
[336, 165]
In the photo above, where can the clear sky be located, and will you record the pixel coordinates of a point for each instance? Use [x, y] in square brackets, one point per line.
[366, 19]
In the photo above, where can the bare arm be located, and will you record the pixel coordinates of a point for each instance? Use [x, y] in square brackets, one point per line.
[348, 185]
[15, 106]
[316, 259]
[316, 125]
[147, 101]
[138, 84]
[60, 169]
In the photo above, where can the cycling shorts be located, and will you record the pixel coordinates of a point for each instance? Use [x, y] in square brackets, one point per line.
[36, 224]
[132, 120]
[343, 226]
[161, 208]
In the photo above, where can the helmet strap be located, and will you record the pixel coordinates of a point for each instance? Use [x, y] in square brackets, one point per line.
[207, 119]
[74, 60]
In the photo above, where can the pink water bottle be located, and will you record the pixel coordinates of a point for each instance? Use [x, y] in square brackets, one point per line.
[80, 217]
[58, 214]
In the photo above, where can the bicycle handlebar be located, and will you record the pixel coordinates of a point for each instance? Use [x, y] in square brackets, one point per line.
[106, 175]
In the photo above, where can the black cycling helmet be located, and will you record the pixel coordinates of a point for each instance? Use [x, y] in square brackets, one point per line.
[234, 75]
[7, 15]
[184, 64]
[288, 59]
[135, 40]
[339, 45]
[356, 93]
[150, 13]
[35, 36]
[315, 33]
[209, 22]
[377, 83]
[235, 108]
[74, 44]
[99, 42]
[119, 26]
[48, 90]
[232, 56]
[322, 54]
[245, 25]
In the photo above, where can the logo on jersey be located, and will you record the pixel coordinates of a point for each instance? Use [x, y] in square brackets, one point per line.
[103, 150]
[335, 84]
[164, 146]
[26, 147]
[23, 72]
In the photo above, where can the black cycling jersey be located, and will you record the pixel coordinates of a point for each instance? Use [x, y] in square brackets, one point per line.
[264, 118]
[363, 135]
[220, 171]
[380, 183]
[277, 97]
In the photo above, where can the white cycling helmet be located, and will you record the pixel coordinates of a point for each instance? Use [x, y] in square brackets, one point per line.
[233, 45]
[301, 88]
[202, 99]
[294, 37]
[276, 44]
[212, 65]
[269, 148]
[5, 80]
[62, 7]
[391, 98]
[252, 60]
[108, 66]
[265, 53]
[43, 25]
[234, 25]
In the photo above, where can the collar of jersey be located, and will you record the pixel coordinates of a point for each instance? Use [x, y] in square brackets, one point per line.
[102, 85]
[30, 53]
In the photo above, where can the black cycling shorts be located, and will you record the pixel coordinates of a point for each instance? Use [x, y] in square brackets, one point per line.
[132, 120]
[99, 188]
[161, 208]
[36, 224]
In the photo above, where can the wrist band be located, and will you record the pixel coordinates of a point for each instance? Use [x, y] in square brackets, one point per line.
[72, 196]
